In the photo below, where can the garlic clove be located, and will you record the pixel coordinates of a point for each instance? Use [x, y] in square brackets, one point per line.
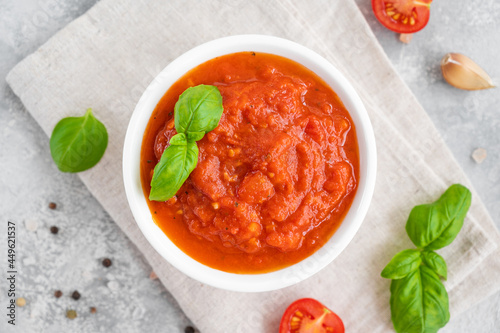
[463, 73]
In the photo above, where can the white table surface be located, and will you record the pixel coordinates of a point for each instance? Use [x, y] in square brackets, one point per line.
[127, 300]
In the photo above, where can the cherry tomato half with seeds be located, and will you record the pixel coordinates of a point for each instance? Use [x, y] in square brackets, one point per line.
[307, 315]
[403, 16]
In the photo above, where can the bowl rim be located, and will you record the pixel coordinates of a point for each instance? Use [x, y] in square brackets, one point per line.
[132, 149]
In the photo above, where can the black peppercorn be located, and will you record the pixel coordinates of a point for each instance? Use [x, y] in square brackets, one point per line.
[75, 295]
[189, 329]
[106, 262]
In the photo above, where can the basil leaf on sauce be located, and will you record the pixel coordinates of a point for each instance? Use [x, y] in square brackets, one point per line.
[197, 112]
[78, 143]
[435, 262]
[174, 167]
[419, 302]
[434, 226]
[403, 263]
[198, 109]
[195, 136]
[178, 140]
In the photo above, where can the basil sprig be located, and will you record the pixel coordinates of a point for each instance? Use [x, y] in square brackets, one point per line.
[419, 301]
[78, 143]
[197, 112]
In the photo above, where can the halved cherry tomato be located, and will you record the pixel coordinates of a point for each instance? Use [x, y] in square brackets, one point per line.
[307, 315]
[403, 16]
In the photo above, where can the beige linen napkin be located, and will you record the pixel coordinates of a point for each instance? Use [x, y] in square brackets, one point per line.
[107, 57]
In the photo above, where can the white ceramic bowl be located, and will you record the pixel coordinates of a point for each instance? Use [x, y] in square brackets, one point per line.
[352, 221]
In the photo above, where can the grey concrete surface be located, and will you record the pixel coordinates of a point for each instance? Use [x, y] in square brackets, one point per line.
[127, 300]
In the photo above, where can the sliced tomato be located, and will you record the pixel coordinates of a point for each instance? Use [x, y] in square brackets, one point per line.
[307, 315]
[403, 16]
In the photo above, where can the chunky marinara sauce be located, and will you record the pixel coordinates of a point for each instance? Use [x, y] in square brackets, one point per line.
[274, 179]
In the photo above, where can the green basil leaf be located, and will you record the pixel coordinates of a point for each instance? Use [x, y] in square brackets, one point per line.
[433, 226]
[402, 264]
[198, 109]
[78, 143]
[176, 163]
[419, 302]
[195, 136]
[435, 262]
[178, 140]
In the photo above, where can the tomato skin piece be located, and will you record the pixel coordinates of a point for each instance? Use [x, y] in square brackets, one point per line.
[307, 315]
[402, 16]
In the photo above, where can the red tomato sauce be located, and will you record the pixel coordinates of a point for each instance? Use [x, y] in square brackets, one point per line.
[274, 179]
